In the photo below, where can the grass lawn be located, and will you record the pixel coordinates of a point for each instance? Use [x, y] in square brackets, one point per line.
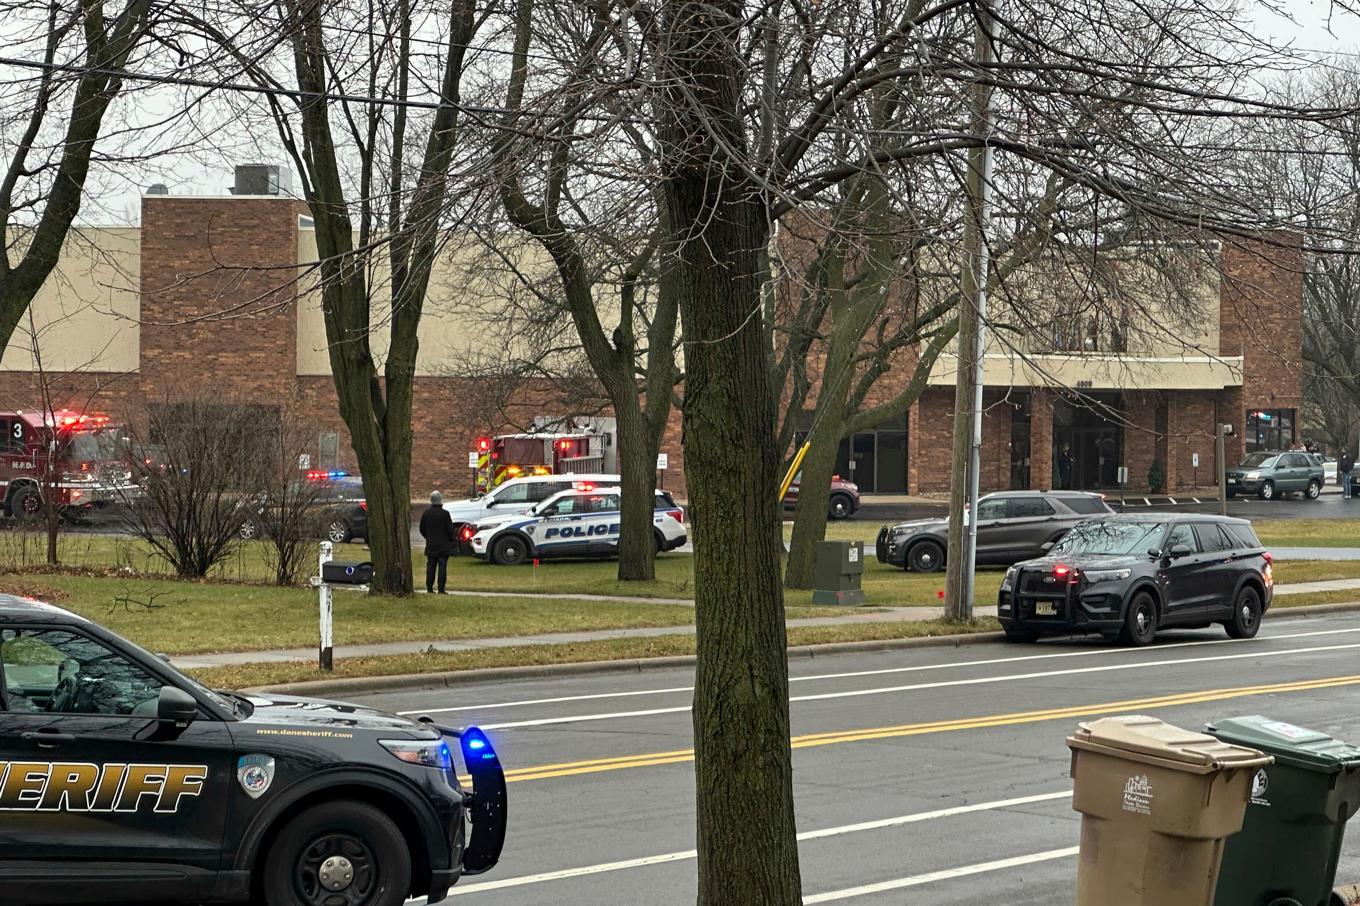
[1308, 532]
[613, 649]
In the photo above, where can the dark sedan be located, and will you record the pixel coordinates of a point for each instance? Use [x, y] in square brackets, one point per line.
[334, 506]
[1012, 526]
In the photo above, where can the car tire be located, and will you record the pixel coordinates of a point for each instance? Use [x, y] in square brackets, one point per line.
[1267, 491]
[1314, 490]
[660, 542]
[925, 557]
[1246, 617]
[840, 507]
[511, 550]
[1019, 635]
[338, 532]
[1140, 622]
[26, 502]
[249, 530]
[338, 843]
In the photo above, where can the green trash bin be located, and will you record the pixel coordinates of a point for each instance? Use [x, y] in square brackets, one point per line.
[1287, 851]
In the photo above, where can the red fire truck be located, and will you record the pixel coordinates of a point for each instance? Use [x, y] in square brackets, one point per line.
[79, 457]
[508, 456]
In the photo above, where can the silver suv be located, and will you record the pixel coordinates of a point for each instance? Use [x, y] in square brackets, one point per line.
[518, 495]
[1269, 475]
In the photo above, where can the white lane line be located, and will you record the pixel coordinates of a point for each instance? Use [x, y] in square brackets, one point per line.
[946, 684]
[663, 858]
[952, 665]
[947, 874]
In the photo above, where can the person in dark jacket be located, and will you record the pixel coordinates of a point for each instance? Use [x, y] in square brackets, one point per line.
[436, 527]
[1345, 466]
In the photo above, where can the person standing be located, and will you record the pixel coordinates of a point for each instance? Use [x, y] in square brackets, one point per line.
[436, 527]
[1345, 465]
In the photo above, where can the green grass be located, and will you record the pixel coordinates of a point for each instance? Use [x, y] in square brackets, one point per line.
[1308, 532]
[237, 677]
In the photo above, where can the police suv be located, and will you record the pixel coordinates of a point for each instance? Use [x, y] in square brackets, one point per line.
[581, 522]
[124, 781]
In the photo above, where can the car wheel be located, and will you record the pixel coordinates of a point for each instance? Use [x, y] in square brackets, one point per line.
[510, 551]
[925, 557]
[1140, 623]
[248, 530]
[341, 853]
[1314, 489]
[337, 532]
[840, 507]
[1019, 635]
[1246, 617]
[1267, 491]
[660, 541]
[26, 503]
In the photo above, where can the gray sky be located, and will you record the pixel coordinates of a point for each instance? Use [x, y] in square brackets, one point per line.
[1317, 25]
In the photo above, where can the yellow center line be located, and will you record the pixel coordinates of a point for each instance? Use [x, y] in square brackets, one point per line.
[812, 740]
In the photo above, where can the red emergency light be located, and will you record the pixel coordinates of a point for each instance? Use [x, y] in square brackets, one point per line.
[564, 445]
[483, 444]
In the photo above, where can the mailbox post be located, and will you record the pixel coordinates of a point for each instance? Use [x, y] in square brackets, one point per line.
[354, 576]
[837, 569]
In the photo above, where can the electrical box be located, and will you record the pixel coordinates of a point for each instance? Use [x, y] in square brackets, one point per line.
[837, 569]
[336, 572]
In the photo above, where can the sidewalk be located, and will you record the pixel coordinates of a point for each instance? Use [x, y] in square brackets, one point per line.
[234, 658]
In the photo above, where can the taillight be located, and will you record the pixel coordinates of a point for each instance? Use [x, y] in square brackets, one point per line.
[677, 515]
[467, 533]
[363, 505]
[1269, 557]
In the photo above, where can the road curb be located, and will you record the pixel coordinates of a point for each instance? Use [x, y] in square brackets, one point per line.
[453, 678]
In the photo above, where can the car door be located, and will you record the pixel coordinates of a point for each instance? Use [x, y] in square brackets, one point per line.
[1221, 572]
[561, 532]
[993, 527]
[99, 796]
[1030, 523]
[603, 524]
[1185, 576]
[1296, 470]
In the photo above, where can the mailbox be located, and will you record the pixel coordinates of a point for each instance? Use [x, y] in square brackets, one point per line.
[334, 572]
[836, 572]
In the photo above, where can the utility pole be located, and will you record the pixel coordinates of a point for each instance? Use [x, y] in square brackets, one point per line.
[972, 340]
[1221, 465]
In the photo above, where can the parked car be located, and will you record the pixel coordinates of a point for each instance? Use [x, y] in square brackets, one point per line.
[1129, 575]
[335, 504]
[1275, 474]
[518, 495]
[841, 504]
[130, 783]
[1012, 526]
[572, 523]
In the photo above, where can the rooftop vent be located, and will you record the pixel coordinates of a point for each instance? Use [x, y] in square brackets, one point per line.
[157, 189]
[261, 179]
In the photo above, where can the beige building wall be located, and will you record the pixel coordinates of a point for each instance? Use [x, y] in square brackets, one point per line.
[86, 316]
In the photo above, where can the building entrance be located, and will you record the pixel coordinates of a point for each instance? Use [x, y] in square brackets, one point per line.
[1088, 447]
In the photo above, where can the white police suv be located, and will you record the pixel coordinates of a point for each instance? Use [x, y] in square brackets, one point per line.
[581, 522]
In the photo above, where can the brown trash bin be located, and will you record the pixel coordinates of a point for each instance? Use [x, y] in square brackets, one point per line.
[1157, 802]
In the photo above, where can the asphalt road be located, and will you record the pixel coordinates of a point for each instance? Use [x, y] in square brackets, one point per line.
[936, 775]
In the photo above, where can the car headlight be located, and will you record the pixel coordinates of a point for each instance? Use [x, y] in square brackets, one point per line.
[429, 753]
[1009, 582]
[1106, 575]
[1252, 476]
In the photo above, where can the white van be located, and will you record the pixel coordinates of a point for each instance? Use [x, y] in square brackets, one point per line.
[515, 496]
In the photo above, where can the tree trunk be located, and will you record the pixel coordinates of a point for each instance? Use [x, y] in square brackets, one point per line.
[814, 493]
[637, 450]
[746, 833]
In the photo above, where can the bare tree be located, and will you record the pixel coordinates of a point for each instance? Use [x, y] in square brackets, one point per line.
[83, 49]
[293, 502]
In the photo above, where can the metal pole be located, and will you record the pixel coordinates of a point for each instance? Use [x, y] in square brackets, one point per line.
[1221, 466]
[325, 659]
[981, 265]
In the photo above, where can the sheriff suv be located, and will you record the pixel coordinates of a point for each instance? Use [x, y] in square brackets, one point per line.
[582, 522]
[1128, 576]
[124, 781]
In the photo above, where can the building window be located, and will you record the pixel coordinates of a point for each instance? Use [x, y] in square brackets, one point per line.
[1269, 429]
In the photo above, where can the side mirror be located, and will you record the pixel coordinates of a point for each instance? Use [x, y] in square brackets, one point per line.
[1154, 553]
[1180, 550]
[490, 501]
[175, 706]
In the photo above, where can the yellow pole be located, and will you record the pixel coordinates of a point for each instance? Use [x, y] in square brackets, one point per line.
[793, 470]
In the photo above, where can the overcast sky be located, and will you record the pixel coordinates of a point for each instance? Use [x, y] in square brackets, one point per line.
[1316, 25]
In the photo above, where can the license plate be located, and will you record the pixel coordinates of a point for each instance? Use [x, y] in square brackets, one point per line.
[1045, 609]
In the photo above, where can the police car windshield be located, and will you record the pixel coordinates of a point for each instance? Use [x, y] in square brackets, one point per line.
[1110, 538]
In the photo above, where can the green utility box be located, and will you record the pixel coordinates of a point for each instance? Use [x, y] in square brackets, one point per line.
[1287, 851]
[836, 572]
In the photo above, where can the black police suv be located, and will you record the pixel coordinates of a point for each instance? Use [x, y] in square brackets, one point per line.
[124, 781]
[1129, 575]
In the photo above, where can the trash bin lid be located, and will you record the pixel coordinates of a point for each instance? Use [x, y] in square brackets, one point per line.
[1296, 746]
[1147, 737]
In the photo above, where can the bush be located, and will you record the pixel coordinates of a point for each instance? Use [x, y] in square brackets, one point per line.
[1156, 477]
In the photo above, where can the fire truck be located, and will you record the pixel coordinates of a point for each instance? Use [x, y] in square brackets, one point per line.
[557, 447]
[79, 457]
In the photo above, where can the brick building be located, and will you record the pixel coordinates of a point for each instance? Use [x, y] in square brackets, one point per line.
[211, 294]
